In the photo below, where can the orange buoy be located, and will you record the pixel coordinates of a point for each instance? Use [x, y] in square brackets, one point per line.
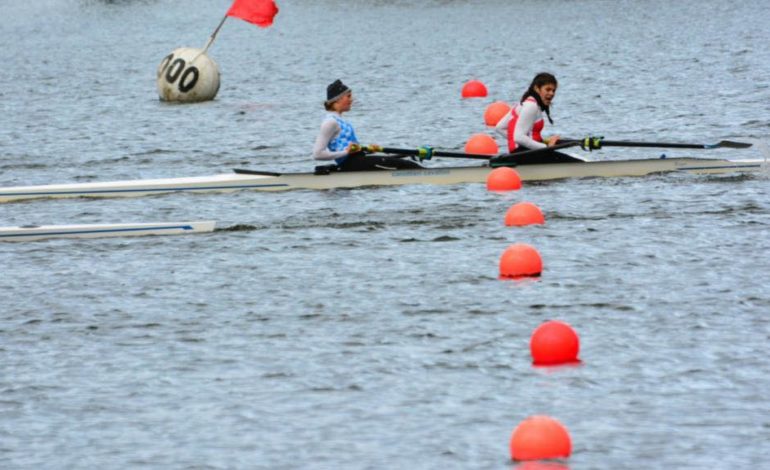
[539, 438]
[481, 143]
[495, 112]
[520, 260]
[524, 213]
[503, 179]
[554, 343]
[474, 89]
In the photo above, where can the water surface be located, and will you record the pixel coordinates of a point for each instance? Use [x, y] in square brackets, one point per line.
[367, 328]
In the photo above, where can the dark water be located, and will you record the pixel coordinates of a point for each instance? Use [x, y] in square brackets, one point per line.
[367, 328]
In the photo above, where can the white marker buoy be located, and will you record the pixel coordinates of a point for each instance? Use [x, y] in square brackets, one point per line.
[187, 75]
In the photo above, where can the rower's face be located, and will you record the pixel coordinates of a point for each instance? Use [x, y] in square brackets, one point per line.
[546, 92]
[343, 104]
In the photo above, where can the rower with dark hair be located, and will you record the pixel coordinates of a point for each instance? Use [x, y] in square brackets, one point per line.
[337, 139]
[523, 126]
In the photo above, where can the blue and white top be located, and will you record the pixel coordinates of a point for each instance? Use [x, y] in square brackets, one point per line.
[335, 136]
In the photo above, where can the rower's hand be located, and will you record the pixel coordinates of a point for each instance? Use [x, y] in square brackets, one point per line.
[353, 148]
[373, 148]
[553, 140]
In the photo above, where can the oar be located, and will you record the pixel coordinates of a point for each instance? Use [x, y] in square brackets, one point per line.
[512, 159]
[426, 153]
[589, 143]
[594, 143]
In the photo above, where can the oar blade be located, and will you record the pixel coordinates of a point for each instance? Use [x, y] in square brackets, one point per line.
[733, 145]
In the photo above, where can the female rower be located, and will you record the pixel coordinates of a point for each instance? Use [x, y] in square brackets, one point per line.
[523, 126]
[337, 139]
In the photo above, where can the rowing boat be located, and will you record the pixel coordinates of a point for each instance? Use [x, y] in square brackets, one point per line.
[40, 232]
[268, 181]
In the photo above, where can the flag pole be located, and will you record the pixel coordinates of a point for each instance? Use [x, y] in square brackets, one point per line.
[211, 40]
[214, 35]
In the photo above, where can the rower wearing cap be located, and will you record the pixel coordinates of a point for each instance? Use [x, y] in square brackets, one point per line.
[337, 139]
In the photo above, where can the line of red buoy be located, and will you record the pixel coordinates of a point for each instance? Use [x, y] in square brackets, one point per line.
[553, 343]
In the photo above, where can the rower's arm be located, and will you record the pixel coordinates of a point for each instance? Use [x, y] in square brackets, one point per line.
[329, 130]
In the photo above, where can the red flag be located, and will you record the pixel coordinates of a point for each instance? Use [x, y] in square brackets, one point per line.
[258, 12]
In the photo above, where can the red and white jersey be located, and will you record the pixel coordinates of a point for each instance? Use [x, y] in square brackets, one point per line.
[523, 126]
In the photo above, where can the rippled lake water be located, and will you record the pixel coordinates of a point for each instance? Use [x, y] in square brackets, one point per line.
[367, 328]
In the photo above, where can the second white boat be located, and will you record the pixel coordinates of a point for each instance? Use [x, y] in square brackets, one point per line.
[41, 232]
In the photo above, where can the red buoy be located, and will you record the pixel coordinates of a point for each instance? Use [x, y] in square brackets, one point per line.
[495, 112]
[539, 438]
[481, 143]
[503, 179]
[520, 260]
[524, 213]
[554, 343]
[474, 89]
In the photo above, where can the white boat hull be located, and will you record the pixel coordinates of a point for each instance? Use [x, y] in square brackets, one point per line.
[448, 175]
[41, 232]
